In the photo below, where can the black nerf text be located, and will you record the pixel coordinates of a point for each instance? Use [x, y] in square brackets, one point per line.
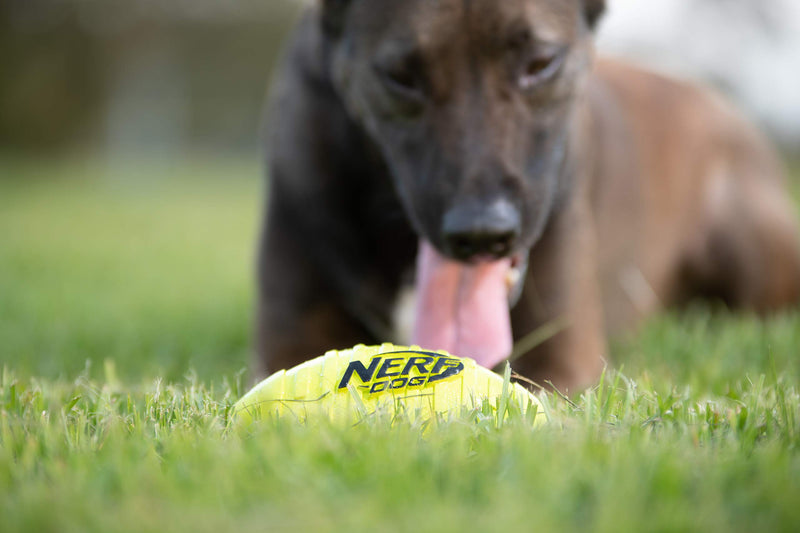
[400, 370]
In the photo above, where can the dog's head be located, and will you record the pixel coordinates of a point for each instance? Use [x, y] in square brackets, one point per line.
[470, 102]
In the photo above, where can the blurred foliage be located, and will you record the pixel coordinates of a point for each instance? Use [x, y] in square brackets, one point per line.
[120, 75]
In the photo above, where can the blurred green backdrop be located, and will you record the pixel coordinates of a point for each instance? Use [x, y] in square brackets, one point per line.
[131, 182]
[161, 76]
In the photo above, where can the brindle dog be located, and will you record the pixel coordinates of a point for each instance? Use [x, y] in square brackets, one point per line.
[476, 150]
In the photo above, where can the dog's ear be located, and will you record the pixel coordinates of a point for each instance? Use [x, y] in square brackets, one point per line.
[333, 13]
[593, 9]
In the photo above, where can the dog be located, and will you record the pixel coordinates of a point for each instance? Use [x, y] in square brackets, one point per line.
[528, 192]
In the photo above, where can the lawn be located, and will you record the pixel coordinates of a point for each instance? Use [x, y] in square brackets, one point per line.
[125, 315]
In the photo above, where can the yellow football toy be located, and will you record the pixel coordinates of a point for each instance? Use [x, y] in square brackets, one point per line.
[351, 385]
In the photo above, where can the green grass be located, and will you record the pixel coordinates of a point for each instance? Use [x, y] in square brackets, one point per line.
[150, 270]
[125, 303]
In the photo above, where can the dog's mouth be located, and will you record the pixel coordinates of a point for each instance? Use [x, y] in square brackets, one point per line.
[464, 308]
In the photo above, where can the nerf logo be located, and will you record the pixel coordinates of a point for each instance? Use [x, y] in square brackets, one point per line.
[401, 370]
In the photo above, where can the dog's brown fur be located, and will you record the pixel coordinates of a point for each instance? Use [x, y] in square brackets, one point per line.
[664, 194]
[684, 199]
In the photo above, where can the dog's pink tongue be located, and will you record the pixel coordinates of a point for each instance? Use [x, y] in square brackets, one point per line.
[462, 309]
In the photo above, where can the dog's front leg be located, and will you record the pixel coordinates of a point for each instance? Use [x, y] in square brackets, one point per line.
[560, 308]
[309, 296]
[321, 282]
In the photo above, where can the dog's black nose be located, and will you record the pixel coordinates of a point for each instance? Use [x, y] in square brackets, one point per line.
[472, 230]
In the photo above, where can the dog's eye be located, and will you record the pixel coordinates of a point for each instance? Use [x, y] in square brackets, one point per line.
[402, 79]
[539, 69]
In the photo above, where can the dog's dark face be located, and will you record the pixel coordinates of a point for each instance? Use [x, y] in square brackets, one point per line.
[470, 102]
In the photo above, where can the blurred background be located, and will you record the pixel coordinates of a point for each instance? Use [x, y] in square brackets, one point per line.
[130, 165]
[166, 77]
[121, 77]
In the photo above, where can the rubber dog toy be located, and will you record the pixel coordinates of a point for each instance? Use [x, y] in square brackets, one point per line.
[351, 385]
